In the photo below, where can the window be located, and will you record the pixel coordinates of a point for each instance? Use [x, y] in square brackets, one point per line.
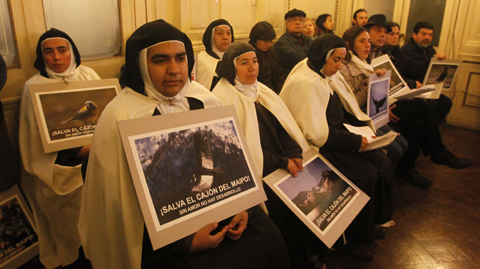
[7, 44]
[94, 25]
[431, 11]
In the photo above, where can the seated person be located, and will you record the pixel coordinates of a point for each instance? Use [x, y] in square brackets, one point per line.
[292, 46]
[271, 73]
[308, 29]
[217, 37]
[417, 121]
[324, 24]
[268, 125]
[321, 102]
[158, 63]
[356, 72]
[53, 181]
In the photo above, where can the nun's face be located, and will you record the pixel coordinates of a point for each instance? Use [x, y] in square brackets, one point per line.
[222, 35]
[334, 62]
[247, 68]
[57, 54]
[168, 67]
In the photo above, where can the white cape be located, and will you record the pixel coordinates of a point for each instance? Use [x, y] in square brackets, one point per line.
[247, 114]
[206, 69]
[111, 223]
[307, 94]
[54, 191]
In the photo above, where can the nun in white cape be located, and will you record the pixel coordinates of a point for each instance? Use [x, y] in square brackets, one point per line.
[52, 185]
[321, 105]
[246, 98]
[111, 224]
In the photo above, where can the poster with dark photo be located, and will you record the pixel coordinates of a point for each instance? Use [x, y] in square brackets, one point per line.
[377, 105]
[188, 171]
[68, 113]
[320, 196]
[442, 71]
[18, 238]
[397, 84]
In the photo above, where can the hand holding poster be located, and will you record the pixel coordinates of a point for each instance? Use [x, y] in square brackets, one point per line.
[189, 169]
[320, 196]
[442, 71]
[68, 113]
[399, 90]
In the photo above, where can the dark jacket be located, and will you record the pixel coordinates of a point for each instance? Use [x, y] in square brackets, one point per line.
[291, 51]
[415, 60]
[271, 72]
[396, 55]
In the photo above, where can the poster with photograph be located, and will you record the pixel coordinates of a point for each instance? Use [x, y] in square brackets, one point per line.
[377, 104]
[320, 196]
[18, 238]
[68, 113]
[442, 71]
[397, 84]
[189, 169]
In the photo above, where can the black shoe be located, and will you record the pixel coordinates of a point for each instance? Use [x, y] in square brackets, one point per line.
[449, 159]
[415, 178]
[379, 232]
[362, 252]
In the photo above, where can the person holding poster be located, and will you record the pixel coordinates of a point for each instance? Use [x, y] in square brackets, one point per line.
[216, 39]
[53, 181]
[158, 62]
[321, 102]
[269, 126]
[417, 120]
[356, 72]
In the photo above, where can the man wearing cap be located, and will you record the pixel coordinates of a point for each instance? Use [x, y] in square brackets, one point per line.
[292, 46]
[377, 29]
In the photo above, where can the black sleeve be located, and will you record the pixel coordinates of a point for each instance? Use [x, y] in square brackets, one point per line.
[342, 140]
[3, 73]
[68, 157]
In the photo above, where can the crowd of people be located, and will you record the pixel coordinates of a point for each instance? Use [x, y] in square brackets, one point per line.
[290, 94]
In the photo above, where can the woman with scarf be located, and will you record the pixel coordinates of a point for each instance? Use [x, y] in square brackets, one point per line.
[158, 63]
[268, 126]
[216, 39]
[356, 72]
[53, 181]
[321, 102]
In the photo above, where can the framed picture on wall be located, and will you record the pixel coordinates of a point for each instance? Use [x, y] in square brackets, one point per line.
[189, 169]
[67, 114]
[18, 236]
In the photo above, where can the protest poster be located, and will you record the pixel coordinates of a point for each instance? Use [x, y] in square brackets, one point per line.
[189, 169]
[67, 114]
[397, 84]
[18, 237]
[442, 71]
[320, 196]
[377, 104]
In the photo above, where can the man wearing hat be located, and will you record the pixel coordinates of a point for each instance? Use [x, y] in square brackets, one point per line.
[377, 29]
[292, 46]
[418, 119]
